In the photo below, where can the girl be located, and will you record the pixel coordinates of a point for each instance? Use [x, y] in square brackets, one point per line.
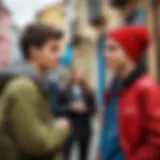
[131, 127]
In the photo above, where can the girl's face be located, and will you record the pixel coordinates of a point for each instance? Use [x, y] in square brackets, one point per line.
[78, 76]
[115, 55]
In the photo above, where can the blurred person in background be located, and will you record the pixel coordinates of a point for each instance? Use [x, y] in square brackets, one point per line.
[131, 127]
[56, 82]
[76, 101]
[27, 128]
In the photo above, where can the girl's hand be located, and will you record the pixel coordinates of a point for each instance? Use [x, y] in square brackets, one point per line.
[79, 107]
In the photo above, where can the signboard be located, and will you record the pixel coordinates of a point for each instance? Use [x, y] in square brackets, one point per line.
[5, 37]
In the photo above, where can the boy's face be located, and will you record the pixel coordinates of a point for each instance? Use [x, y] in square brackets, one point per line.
[49, 54]
[115, 55]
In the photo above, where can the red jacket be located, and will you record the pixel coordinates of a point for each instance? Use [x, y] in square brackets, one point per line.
[139, 117]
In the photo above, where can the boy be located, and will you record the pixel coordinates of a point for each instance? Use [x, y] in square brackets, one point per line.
[27, 128]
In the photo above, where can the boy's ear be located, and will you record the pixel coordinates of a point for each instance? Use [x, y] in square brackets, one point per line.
[33, 50]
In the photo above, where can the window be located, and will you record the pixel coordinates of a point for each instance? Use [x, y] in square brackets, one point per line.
[94, 8]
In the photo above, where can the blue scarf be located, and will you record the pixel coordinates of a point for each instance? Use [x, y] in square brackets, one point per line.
[109, 143]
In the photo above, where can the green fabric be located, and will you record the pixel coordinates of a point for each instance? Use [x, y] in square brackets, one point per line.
[31, 126]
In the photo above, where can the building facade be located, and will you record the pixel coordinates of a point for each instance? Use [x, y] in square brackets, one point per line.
[153, 22]
[55, 15]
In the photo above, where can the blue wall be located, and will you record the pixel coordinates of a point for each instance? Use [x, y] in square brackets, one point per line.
[101, 69]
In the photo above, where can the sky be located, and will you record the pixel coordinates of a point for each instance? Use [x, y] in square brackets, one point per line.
[24, 10]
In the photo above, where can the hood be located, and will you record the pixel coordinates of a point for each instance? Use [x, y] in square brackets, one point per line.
[17, 69]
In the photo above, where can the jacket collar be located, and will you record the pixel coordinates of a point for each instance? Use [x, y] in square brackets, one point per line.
[22, 68]
[133, 76]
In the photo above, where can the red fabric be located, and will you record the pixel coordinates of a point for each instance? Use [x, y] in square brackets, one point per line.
[139, 115]
[133, 38]
[107, 96]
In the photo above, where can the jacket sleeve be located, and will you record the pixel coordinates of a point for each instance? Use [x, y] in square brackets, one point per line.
[150, 149]
[33, 134]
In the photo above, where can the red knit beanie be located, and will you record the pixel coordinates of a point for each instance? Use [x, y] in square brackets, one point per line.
[133, 38]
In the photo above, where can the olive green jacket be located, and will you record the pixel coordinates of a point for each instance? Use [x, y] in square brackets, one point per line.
[26, 124]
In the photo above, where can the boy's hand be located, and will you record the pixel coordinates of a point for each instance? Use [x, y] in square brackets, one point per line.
[63, 123]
